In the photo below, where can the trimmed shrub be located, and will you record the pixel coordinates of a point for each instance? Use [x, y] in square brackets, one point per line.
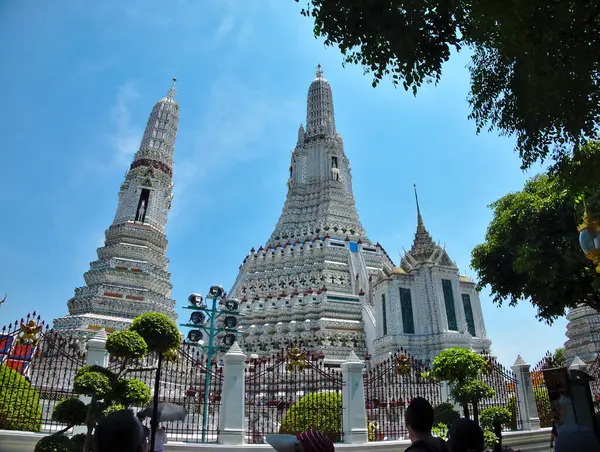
[158, 330]
[20, 407]
[490, 439]
[92, 384]
[126, 344]
[511, 405]
[55, 443]
[132, 392]
[70, 412]
[495, 414]
[321, 411]
[444, 413]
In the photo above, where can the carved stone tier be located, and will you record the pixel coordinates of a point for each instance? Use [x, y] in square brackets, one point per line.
[583, 333]
[131, 276]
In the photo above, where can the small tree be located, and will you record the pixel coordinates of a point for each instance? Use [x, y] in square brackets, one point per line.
[321, 411]
[444, 413]
[472, 392]
[112, 391]
[460, 367]
[493, 419]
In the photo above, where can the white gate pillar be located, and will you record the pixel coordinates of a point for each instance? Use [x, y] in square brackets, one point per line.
[353, 401]
[231, 421]
[524, 389]
[96, 355]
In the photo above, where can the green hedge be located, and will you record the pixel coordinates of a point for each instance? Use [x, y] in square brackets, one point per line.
[20, 407]
[321, 411]
[542, 401]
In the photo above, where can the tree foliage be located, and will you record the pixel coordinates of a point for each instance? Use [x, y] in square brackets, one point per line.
[20, 407]
[110, 391]
[321, 411]
[531, 251]
[158, 330]
[534, 65]
[457, 365]
[70, 412]
[444, 413]
[495, 415]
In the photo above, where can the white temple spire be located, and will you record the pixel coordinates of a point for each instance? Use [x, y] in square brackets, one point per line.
[320, 118]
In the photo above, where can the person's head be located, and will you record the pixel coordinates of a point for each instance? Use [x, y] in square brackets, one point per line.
[576, 438]
[465, 436]
[419, 417]
[141, 416]
[310, 441]
[120, 431]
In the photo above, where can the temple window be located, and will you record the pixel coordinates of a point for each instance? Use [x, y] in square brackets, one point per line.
[449, 302]
[408, 321]
[334, 161]
[384, 314]
[466, 299]
[142, 207]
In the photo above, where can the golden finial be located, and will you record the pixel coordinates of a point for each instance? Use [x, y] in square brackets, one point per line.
[319, 71]
[172, 91]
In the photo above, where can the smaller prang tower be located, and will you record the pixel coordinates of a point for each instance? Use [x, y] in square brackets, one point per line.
[131, 275]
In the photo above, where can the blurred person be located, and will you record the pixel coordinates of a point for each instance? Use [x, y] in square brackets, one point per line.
[466, 436]
[419, 422]
[120, 431]
[310, 441]
[576, 438]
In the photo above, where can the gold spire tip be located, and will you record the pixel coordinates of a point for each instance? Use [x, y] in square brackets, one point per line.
[172, 91]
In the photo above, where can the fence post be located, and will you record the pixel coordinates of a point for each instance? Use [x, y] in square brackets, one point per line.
[232, 415]
[353, 401]
[527, 407]
[96, 354]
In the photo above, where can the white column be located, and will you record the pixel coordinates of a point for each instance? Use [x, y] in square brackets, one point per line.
[353, 401]
[96, 349]
[96, 355]
[232, 418]
[527, 407]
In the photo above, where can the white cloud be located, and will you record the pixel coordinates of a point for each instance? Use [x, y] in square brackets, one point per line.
[126, 137]
[225, 26]
[231, 131]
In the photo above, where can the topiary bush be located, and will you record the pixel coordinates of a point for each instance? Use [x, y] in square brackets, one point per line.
[495, 414]
[131, 392]
[20, 407]
[158, 330]
[126, 344]
[489, 439]
[511, 406]
[444, 413]
[55, 443]
[70, 412]
[321, 411]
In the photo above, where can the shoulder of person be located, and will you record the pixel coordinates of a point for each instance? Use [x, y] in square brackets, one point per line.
[424, 446]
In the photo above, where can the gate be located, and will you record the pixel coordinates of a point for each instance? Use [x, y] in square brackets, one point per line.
[389, 387]
[281, 395]
[183, 382]
[504, 383]
[540, 390]
[48, 361]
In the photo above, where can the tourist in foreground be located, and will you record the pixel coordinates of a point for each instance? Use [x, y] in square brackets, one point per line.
[310, 441]
[120, 432]
[419, 422]
[466, 436]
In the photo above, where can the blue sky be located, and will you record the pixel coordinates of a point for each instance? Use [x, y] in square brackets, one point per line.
[80, 79]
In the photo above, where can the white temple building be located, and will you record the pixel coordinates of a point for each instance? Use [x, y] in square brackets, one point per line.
[131, 275]
[321, 281]
[583, 334]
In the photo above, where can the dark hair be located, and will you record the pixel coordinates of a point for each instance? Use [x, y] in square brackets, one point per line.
[141, 415]
[119, 432]
[466, 436]
[419, 415]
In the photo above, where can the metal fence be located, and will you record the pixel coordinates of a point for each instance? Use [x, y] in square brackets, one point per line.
[47, 361]
[290, 392]
[504, 383]
[183, 382]
[540, 390]
[389, 387]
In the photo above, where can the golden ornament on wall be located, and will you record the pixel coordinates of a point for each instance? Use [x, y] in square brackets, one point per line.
[30, 333]
[403, 364]
[296, 360]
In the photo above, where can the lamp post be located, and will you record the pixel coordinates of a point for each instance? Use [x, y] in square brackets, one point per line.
[212, 322]
[589, 239]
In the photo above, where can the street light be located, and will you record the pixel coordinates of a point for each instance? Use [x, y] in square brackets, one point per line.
[215, 324]
[589, 239]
